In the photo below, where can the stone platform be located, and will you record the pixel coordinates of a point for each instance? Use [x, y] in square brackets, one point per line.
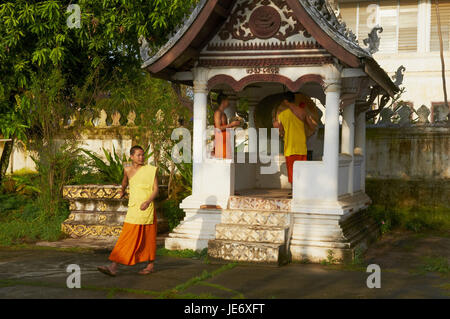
[258, 226]
[97, 211]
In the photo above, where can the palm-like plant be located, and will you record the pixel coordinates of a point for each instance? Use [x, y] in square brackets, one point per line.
[112, 170]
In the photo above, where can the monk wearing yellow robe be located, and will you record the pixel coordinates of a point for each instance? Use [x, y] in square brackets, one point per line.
[137, 241]
[294, 122]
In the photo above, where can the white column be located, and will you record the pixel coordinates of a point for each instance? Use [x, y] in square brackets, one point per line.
[230, 113]
[200, 117]
[360, 145]
[348, 140]
[331, 141]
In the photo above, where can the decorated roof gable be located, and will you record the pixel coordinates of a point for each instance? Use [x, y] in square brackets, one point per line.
[263, 28]
[262, 23]
[246, 33]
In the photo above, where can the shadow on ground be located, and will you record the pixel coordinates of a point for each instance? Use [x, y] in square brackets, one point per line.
[413, 266]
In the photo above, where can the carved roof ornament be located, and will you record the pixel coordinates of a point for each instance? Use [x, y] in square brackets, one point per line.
[373, 41]
[144, 50]
[399, 75]
[263, 22]
[330, 11]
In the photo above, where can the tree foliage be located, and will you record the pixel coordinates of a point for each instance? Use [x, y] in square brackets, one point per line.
[92, 60]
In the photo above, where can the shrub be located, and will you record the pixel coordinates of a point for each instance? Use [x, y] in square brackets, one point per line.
[112, 172]
[416, 219]
[173, 213]
[8, 185]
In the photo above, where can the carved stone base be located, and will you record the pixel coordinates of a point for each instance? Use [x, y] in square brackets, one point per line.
[194, 232]
[96, 211]
[247, 252]
[264, 230]
[316, 237]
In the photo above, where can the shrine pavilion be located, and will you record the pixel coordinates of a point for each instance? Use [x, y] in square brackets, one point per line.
[256, 49]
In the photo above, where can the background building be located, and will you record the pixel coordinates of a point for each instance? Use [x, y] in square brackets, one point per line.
[409, 38]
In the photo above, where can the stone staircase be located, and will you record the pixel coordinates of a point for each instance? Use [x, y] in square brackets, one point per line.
[263, 230]
[253, 230]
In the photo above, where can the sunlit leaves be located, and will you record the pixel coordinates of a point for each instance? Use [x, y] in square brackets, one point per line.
[35, 39]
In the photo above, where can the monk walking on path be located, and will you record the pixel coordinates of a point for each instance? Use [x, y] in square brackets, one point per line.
[137, 241]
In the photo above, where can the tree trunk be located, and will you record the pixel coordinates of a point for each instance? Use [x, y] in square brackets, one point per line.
[4, 160]
[441, 44]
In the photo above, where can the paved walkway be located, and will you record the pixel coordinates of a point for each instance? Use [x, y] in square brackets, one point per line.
[408, 263]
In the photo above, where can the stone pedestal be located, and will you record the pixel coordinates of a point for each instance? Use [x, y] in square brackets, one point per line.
[96, 211]
[315, 235]
[194, 232]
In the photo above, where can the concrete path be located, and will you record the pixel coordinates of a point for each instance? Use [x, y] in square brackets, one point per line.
[412, 267]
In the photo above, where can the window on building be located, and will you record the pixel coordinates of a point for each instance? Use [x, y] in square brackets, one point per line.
[349, 12]
[388, 19]
[397, 17]
[367, 18]
[407, 31]
[444, 9]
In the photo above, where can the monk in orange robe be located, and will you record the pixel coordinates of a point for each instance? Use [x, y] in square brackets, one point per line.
[222, 136]
[137, 241]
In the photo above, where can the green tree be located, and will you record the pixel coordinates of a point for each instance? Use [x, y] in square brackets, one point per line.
[35, 40]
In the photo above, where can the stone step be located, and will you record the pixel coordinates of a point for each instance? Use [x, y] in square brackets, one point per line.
[259, 204]
[100, 192]
[252, 217]
[98, 205]
[318, 234]
[76, 230]
[252, 233]
[246, 252]
[354, 219]
[369, 230]
[336, 234]
[313, 222]
[319, 243]
[364, 221]
[102, 218]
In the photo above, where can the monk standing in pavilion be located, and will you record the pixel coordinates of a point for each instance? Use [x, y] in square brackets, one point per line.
[137, 241]
[292, 124]
[222, 136]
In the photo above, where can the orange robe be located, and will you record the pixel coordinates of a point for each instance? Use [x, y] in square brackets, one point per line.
[136, 244]
[137, 241]
[221, 142]
[290, 164]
